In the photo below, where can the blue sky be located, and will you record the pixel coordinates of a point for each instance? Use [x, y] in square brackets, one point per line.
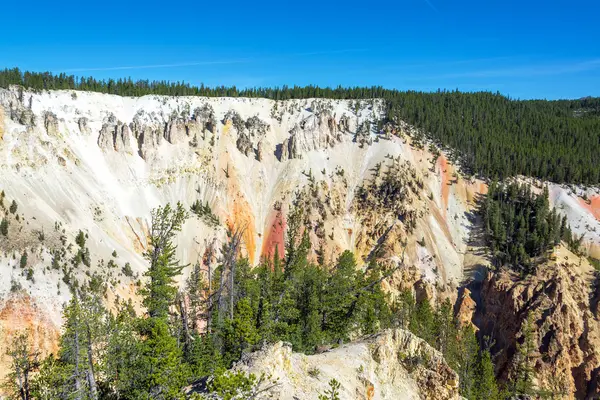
[525, 49]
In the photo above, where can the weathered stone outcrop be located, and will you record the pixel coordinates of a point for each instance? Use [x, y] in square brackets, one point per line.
[114, 135]
[566, 332]
[176, 131]
[465, 308]
[312, 133]
[394, 364]
[83, 126]
[149, 135]
[249, 133]
[203, 119]
[51, 123]
[347, 124]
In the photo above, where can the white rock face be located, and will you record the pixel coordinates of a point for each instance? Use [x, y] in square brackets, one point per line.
[392, 365]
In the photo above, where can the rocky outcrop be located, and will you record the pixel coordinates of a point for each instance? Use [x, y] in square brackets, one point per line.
[394, 364]
[363, 135]
[203, 119]
[249, 133]
[20, 313]
[114, 135]
[51, 124]
[566, 332]
[84, 129]
[312, 133]
[465, 308]
[347, 124]
[16, 110]
[148, 133]
[260, 151]
[176, 131]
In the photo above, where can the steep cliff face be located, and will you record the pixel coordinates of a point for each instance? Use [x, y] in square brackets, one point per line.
[394, 364]
[560, 299]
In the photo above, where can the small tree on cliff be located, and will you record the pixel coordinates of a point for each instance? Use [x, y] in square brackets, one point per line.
[160, 289]
[485, 383]
[23, 361]
[160, 373]
[524, 374]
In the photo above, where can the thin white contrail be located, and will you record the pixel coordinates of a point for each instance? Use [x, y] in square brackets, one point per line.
[198, 63]
[430, 4]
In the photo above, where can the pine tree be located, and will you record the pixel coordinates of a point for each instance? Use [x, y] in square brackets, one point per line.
[485, 382]
[333, 393]
[160, 290]
[4, 227]
[339, 296]
[159, 369]
[24, 361]
[524, 369]
[467, 361]
[422, 322]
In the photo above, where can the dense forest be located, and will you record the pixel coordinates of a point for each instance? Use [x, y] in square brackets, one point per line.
[520, 227]
[490, 135]
[186, 339]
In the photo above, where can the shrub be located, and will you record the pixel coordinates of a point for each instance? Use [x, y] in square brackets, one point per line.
[127, 271]
[80, 239]
[23, 261]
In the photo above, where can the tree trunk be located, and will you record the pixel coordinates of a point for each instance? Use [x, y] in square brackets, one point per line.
[90, 372]
[185, 325]
[209, 308]
[77, 378]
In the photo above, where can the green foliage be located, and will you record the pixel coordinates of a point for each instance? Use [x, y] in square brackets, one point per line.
[423, 321]
[4, 227]
[524, 367]
[160, 289]
[520, 225]
[127, 271]
[496, 137]
[333, 393]
[24, 361]
[23, 260]
[459, 345]
[594, 262]
[205, 212]
[233, 385]
[13, 207]
[158, 368]
[80, 239]
[485, 379]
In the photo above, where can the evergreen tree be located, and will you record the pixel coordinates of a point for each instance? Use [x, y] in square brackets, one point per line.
[4, 227]
[524, 366]
[485, 382]
[24, 361]
[160, 290]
